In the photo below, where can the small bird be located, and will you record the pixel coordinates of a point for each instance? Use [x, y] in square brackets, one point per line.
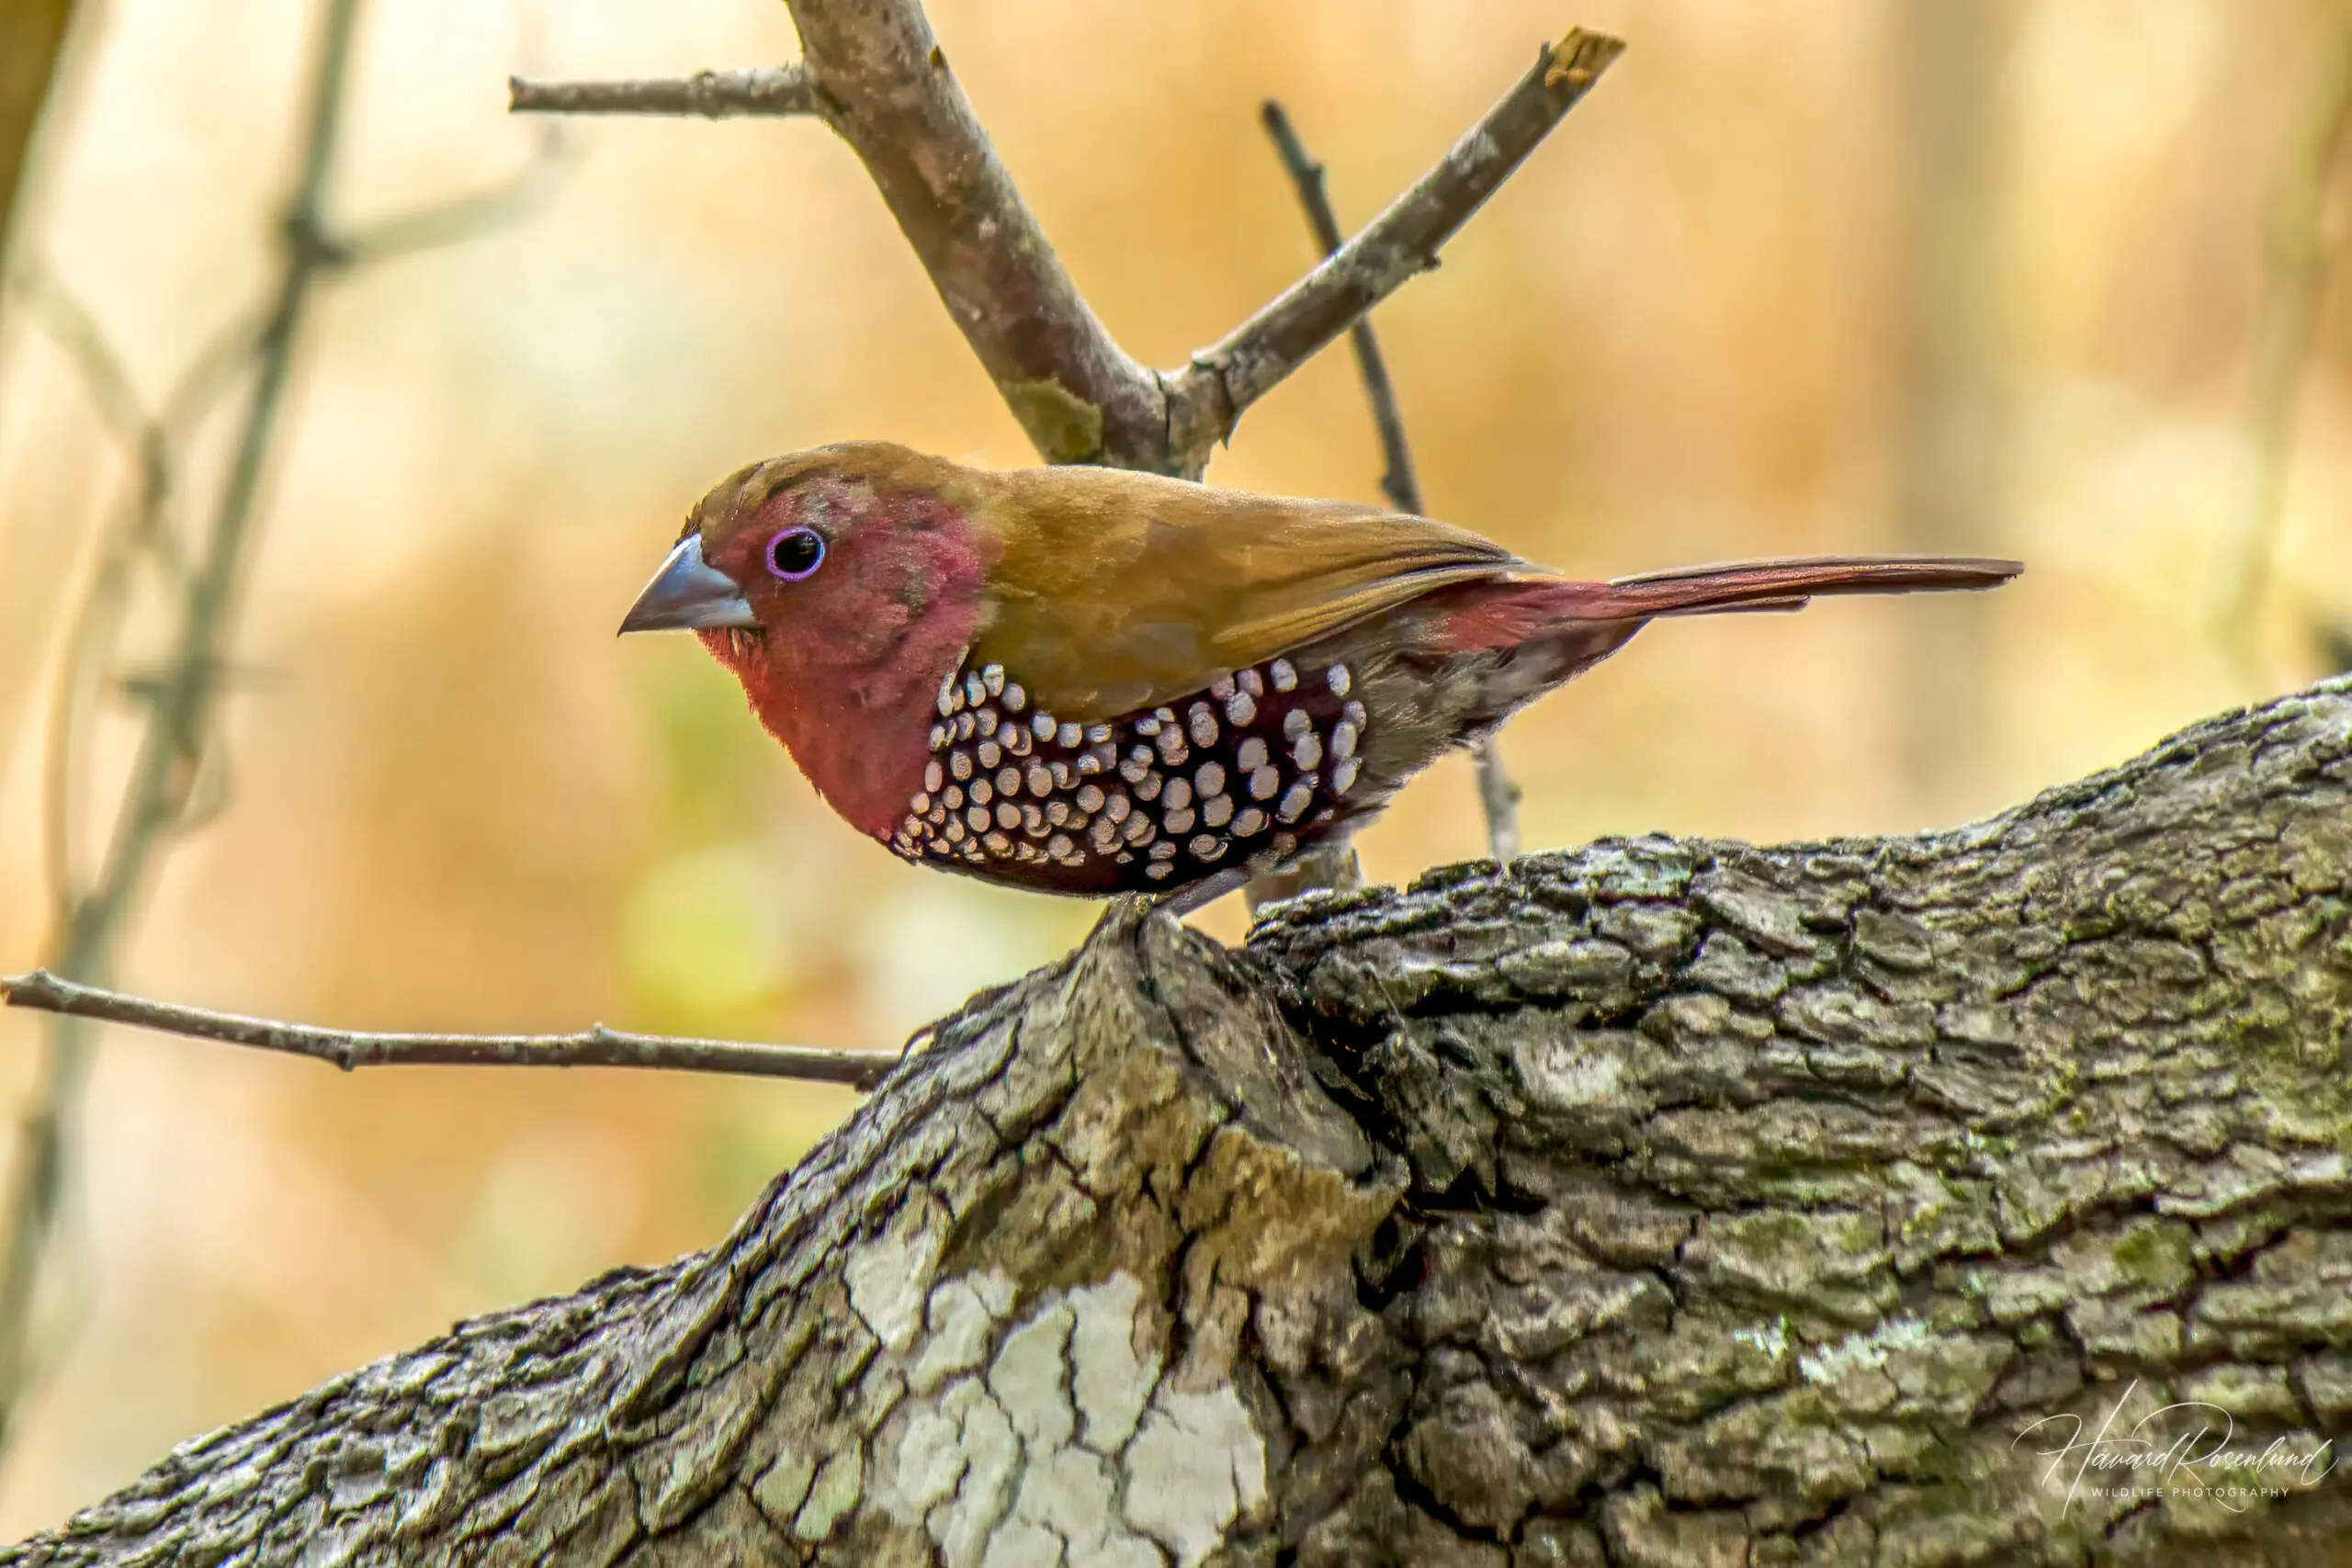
[1089, 681]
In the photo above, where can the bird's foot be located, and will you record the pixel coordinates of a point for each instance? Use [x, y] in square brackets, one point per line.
[1201, 893]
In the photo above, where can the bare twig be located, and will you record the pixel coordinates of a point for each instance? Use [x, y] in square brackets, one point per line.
[1396, 481]
[2285, 325]
[876, 76]
[1498, 796]
[69, 323]
[178, 718]
[141, 531]
[1208, 398]
[713, 94]
[175, 779]
[137, 528]
[353, 1048]
[874, 73]
[447, 222]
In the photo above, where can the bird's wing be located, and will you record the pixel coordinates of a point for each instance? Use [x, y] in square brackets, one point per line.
[1118, 591]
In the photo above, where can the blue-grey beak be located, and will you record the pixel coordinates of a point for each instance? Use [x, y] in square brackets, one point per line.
[688, 594]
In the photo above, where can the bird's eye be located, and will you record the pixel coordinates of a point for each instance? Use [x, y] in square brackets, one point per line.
[794, 553]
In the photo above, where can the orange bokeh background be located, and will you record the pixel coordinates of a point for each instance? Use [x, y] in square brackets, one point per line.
[1680, 335]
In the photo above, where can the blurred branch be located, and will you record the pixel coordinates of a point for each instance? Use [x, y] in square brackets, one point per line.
[874, 72]
[713, 94]
[177, 719]
[1498, 796]
[349, 1049]
[465, 217]
[76, 332]
[176, 780]
[32, 38]
[2286, 323]
[141, 531]
[70, 324]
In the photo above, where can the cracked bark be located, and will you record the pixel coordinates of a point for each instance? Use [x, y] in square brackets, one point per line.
[1657, 1202]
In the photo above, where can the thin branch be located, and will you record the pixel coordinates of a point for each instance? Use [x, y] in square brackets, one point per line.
[70, 324]
[2286, 327]
[1209, 396]
[1397, 483]
[353, 1048]
[176, 777]
[874, 73]
[467, 216]
[54, 308]
[1497, 797]
[177, 721]
[141, 531]
[714, 94]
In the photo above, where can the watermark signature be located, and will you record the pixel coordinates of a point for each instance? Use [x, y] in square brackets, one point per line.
[2187, 1449]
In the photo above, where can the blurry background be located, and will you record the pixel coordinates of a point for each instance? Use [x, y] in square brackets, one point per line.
[2045, 277]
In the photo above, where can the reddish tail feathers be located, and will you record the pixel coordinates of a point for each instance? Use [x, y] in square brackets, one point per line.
[1787, 583]
[1510, 613]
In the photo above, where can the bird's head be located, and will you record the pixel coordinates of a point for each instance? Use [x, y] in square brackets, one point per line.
[841, 586]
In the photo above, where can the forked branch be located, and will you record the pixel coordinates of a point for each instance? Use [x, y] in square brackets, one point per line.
[877, 75]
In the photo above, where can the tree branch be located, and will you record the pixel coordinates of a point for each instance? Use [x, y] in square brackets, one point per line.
[1396, 480]
[1209, 396]
[596, 1046]
[179, 712]
[713, 94]
[1657, 1202]
[452, 219]
[899, 105]
[174, 775]
[1497, 797]
[876, 75]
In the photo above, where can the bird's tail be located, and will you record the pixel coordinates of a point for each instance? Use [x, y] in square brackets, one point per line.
[1549, 628]
[1785, 584]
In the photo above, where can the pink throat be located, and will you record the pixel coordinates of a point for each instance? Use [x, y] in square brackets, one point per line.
[862, 742]
[846, 669]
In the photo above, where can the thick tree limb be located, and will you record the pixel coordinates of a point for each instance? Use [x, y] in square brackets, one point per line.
[1659, 1202]
[872, 72]
[596, 1046]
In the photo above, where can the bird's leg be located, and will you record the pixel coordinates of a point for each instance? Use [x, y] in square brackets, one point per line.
[1327, 867]
[1182, 901]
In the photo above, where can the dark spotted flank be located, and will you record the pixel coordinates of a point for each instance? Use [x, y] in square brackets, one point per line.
[1236, 774]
